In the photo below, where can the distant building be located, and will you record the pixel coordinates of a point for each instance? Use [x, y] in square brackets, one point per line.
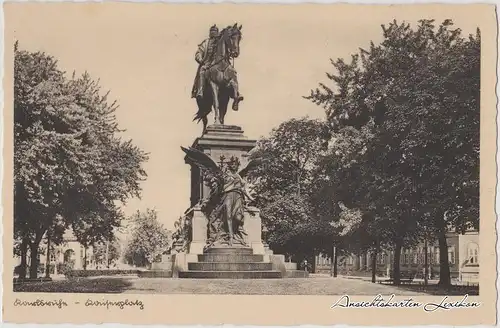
[69, 254]
[463, 255]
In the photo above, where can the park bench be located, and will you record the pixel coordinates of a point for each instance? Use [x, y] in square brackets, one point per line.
[404, 278]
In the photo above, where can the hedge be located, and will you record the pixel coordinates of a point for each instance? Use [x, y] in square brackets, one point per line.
[95, 273]
[39, 279]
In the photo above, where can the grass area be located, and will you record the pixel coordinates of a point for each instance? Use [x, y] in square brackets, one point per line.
[78, 285]
[292, 286]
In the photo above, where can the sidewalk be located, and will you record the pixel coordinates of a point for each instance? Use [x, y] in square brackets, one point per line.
[416, 281]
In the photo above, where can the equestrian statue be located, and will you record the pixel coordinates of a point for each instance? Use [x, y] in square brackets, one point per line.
[216, 78]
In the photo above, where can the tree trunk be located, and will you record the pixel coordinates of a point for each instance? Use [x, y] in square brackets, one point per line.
[107, 254]
[374, 266]
[34, 253]
[85, 258]
[396, 273]
[426, 263]
[34, 260]
[444, 266]
[47, 260]
[335, 261]
[24, 262]
[55, 262]
[332, 264]
[298, 184]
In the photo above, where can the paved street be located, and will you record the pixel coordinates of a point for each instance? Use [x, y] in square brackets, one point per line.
[297, 286]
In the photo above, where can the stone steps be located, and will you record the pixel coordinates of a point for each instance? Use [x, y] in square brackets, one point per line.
[238, 258]
[230, 263]
[230, 274]
[230, 266]
[230, 251]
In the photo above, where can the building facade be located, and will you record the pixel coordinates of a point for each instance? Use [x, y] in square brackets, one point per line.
[69, 255]
[463, 256]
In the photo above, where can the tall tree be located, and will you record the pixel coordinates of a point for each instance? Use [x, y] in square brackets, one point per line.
[419, 91]
[149, 238]
[288, 157]
[68, 158]
[107, 252]
[284, 185]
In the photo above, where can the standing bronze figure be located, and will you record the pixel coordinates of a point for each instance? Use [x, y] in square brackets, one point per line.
[216, 79]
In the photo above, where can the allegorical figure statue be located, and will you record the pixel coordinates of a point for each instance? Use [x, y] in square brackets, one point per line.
[216, 78]
[229, 196]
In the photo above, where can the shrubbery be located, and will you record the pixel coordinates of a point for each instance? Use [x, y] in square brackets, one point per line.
[62, 268]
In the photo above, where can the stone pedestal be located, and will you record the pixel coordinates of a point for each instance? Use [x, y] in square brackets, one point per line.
[221, 142]
[199, 232]
[253, 227]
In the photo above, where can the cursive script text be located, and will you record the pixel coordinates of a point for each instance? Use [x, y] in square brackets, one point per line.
[41, 303]
[377, 302]
[120, 304]
[445, 304]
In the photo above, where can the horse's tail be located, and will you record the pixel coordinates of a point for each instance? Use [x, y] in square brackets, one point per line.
[203, 112]
[199, 115]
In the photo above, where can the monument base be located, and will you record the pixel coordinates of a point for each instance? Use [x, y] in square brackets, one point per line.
[224, 143]
[230, 263]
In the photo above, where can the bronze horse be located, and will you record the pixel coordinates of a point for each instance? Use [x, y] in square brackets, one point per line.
[222, 82]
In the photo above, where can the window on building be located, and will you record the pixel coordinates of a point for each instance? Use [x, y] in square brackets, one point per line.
[415, 258]
[451, 254]
[436, 255]
[473, 253]
[350, 260]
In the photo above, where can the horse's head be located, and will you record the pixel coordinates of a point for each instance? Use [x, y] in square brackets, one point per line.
[232, 36]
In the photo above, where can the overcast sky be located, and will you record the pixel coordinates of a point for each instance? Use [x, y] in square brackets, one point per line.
[144, 54]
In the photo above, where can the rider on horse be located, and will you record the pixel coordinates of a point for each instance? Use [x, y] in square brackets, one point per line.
[216, 72]
[204, 57]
